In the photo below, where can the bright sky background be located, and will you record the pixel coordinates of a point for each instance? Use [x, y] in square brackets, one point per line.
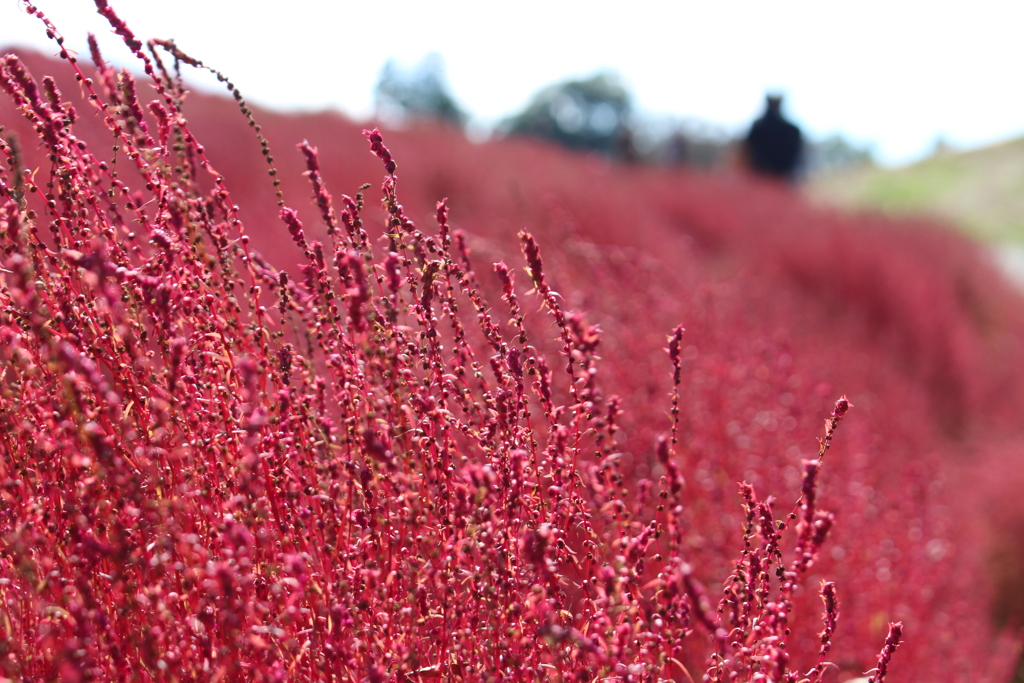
[896, 74]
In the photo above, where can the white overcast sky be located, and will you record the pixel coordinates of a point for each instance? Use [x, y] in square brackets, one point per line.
[891, 73]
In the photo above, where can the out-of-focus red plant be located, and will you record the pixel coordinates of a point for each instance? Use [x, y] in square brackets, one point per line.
[216, 465]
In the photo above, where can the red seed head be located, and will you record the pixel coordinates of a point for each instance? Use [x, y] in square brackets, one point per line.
[842, 405]
[378, 148]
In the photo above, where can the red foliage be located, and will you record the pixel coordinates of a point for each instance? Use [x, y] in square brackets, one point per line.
[343, 458]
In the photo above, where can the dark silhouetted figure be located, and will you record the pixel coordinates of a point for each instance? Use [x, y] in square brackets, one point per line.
[774, 146]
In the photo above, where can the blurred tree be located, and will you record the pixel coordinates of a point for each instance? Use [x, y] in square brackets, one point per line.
[421, 92]
[591, 113]
[675, 141]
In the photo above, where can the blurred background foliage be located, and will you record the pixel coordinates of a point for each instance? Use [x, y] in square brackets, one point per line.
[980, 191]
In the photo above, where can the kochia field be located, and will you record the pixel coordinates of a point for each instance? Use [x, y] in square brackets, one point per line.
[285, 400]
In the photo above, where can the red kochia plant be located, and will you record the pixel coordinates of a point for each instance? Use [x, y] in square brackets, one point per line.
[215, 469]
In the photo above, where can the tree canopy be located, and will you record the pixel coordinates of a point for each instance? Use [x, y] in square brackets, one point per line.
[420, 92]
[589, 113]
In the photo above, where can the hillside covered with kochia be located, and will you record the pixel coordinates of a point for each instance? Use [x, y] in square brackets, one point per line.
[370, 436]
